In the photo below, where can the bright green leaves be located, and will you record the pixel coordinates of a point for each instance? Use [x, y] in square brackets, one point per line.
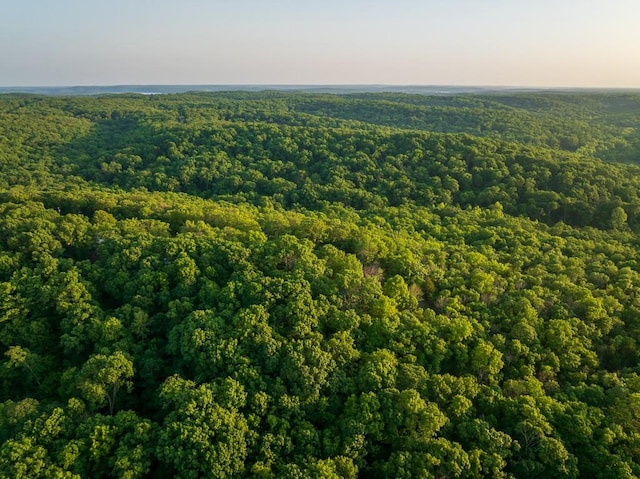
[77, 311]
[618, 218]
[102, 377]
[119, 445]
[486, 362]
[20, 358]
[66, 443]
[203, 434]
[378, 370]
[24, 459]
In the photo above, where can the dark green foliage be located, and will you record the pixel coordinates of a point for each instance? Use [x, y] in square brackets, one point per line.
[285, 285]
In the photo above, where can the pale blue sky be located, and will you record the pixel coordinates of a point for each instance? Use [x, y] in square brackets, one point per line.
[579, 43]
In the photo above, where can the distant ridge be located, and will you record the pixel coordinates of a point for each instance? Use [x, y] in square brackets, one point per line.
[335, 89]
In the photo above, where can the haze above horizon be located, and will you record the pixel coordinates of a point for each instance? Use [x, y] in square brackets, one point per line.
[562, 43]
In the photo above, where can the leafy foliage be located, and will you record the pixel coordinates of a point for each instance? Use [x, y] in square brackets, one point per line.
[292, 285]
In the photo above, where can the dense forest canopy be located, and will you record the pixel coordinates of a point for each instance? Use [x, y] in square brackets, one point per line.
[290, 285]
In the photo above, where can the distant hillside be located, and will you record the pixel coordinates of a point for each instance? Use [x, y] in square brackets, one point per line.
[336, 89]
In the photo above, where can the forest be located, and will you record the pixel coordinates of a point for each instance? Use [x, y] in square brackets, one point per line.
[296, 285]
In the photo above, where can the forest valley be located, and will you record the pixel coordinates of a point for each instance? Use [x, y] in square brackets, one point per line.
[290, 285]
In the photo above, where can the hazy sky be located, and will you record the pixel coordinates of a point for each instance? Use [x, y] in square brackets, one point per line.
[582, 43]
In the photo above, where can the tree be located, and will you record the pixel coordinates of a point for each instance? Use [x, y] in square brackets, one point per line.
[618, 218]
[203, 434]
[102, 376]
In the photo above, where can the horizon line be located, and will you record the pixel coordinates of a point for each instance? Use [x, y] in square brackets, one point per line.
[258, 84]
